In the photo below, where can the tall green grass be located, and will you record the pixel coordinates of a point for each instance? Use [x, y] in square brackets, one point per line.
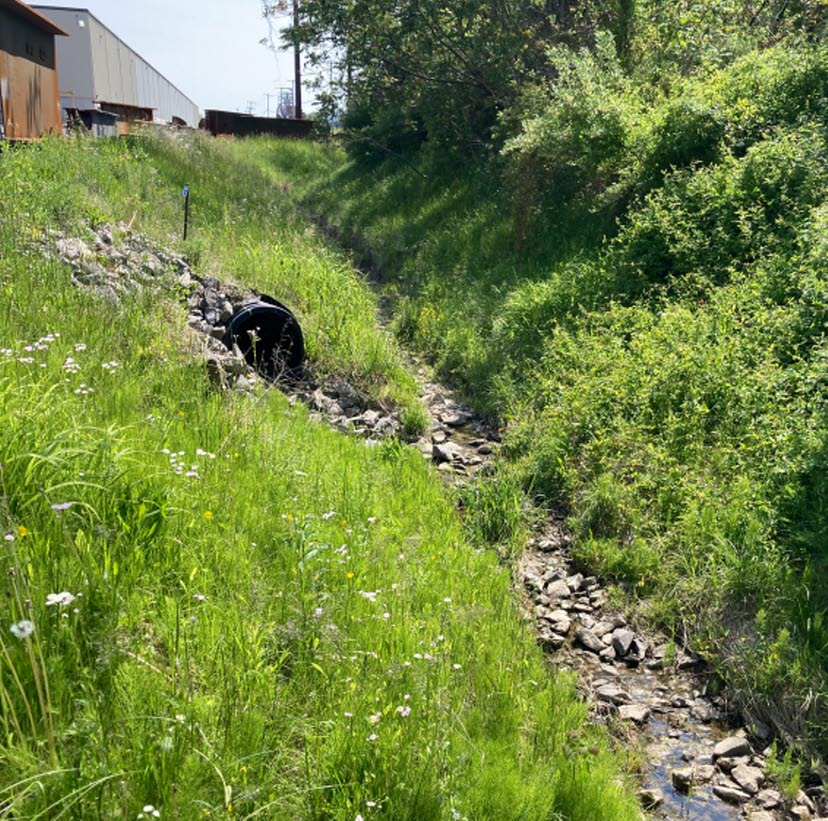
[221, 608]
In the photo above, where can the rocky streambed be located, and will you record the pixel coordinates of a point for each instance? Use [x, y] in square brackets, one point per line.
[658, 698]
[698, 763]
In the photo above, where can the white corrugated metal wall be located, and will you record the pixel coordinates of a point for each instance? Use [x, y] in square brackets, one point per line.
[120, 76]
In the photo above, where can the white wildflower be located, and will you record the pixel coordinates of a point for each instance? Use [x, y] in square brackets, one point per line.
[22, 629]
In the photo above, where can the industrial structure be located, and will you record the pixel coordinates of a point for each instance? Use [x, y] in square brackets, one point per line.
[100, 73]
[29, 102]
[232, 123]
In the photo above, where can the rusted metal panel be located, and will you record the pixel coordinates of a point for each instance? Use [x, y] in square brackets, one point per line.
[28, 80]
[31, 103]
[245, 125]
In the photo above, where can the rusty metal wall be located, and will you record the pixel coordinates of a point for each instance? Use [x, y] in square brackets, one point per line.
[29, 91]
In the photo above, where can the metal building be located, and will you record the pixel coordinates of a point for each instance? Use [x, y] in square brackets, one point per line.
[100, 72]
[29, 105]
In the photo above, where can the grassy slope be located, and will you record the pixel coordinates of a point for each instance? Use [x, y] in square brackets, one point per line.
[251, 640]
[663, 376]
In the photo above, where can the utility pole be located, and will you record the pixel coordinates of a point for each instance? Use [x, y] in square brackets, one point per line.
[268, 103]
[297, 64]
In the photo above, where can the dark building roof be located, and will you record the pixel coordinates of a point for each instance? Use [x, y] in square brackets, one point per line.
[36, 19]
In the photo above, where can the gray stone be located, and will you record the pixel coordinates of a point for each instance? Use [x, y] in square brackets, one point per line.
[588, 640]
[456, 420]
[551, 641]
[320, 401]
[557, 589]
[702, 773]
[688, 661]
[485, 450]
[638, 649]
[612, 695]
[682, 779]
[704, 712]
[438, 437]
[637, 713]
[607, 654]
[759, 815]
[558, 615]
[802, 812]
[602, 628]
[73, 250]
[598, 598]
[622, 641]
[245, 384]
[225, 312]
[727, 764]
[803, 798]
[443, 453]
[748, 778]
[386, 427]
[730, 794]
[347, 396]
[732, 748]
[575, 582]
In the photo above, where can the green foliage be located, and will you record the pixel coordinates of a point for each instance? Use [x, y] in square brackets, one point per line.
[785, 772]
[652, 328]
[573, 132]
[493, 513]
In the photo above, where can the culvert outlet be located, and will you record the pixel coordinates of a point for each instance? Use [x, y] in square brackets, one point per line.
[268, 336]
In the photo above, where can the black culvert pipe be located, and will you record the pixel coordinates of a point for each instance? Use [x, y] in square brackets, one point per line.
[269, 337]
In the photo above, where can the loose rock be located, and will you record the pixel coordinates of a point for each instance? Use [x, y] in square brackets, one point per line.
[732, 748]
[588, 640]
[730, 794]
[637, 713]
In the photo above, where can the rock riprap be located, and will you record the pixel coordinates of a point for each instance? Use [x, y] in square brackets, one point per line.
[649, 690]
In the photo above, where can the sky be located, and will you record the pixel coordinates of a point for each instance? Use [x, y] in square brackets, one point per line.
[209, 49]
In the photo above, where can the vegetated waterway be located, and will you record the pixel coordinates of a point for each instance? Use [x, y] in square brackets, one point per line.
[656, 698]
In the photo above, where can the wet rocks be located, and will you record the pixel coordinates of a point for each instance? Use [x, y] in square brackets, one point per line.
[732, 747]
[730, 793]
[651, 799]
[682, 779]
[623, 673]
[612, 694]
[637, 713]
